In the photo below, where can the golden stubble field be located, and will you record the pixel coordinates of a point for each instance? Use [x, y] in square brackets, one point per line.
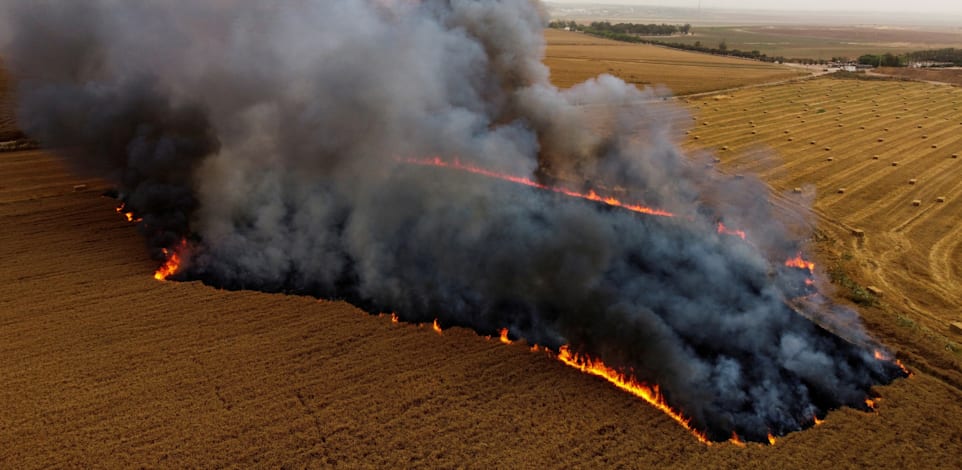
[104, 367]
[882, 163]
[575, 57]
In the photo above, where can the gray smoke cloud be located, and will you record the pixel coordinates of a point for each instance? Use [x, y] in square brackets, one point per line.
[273, 137]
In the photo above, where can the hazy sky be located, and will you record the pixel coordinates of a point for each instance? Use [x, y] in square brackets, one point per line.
[927, 6]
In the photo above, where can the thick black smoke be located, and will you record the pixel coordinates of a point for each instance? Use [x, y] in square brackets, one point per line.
[272, 136]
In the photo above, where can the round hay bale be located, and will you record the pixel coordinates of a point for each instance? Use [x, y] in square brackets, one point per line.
[917, 203]
[841, 191]
[940, 199]
[812, 142]
[829, 159]
[797, 190]
[913, 181]
[875, 157]
[895, 163]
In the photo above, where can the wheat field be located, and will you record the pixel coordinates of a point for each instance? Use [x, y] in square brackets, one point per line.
[103, 366]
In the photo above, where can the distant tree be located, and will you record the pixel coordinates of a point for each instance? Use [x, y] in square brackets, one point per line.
[686, 29]
[723, 46]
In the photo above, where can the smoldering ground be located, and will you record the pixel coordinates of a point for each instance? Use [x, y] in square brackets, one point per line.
[272, 137]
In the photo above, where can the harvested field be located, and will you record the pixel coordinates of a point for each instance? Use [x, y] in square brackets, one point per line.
[103, 366]
[575, 57]
[952, 76]
[824, 42]
[912, 246]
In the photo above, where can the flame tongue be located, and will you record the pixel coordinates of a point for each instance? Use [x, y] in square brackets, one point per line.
[722, 229]
[800, 263]
[590, 195]
[173, 263]
[650, 394]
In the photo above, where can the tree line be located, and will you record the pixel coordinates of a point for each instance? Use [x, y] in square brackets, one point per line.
[942, 56]
[629, 29]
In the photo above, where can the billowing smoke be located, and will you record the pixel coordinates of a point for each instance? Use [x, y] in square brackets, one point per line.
[273, 137]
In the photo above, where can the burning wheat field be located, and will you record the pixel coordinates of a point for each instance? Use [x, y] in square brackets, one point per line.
[412, 159]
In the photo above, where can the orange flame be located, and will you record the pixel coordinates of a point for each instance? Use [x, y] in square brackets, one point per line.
[173, 263]
[504, 336]
[883, 356]
[818, 421]
[736, 440]
[436, 326]
[590, 195]
[650, 394]
[800, 263]
[771, 439]
[394, 318]
[127, 215]
[873, 404]
[727, 231]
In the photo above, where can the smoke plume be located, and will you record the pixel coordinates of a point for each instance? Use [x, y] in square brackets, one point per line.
[273, 137]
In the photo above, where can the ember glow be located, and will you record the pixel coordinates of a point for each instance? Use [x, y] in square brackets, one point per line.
[722, 229]
[173, 263]
[886, 357]
[650, 394]
[436, 326]
[589, 196]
